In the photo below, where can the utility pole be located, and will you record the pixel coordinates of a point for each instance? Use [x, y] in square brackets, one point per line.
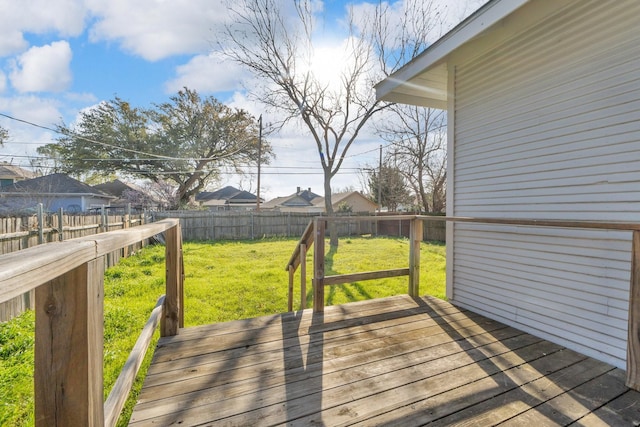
[259, 161]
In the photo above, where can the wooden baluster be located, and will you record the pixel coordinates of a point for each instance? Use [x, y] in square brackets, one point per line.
[415, 233]
[290, 297]
[318, 265]
[633, 341]
[303, 276]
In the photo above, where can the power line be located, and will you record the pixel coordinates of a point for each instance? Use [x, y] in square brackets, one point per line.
[80, 137]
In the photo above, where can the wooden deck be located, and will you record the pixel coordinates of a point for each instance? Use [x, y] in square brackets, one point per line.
[393, 361]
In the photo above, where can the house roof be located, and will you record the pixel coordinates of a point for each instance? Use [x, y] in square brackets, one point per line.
[8, 170]
[228, 193]
[423, 81]
[117, 187]
[298, 199]
[337, 198]
[55, 184]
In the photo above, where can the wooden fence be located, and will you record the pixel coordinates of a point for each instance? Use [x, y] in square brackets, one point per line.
[247, 225]
[18, 233]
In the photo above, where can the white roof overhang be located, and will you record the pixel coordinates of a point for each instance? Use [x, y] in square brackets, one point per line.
[423, 81]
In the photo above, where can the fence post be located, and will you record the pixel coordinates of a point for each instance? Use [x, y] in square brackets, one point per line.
[60, 225]
[40, 224]
[126, 223]
[415, 237]
[633, 341]
[172, 313]
[318, 265]
[68, 376]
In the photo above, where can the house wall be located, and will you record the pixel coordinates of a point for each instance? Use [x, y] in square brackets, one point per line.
[358, 203]
[546, 126]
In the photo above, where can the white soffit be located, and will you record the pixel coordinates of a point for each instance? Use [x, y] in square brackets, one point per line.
[423, 81]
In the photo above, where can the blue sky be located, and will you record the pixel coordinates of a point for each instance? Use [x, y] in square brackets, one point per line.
[58, 57]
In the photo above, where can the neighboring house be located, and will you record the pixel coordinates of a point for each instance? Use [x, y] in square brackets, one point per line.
[307, 201]
[543, 101]
[54, 192]
[10, 174]
[354, 201]
[300, 201]
[226, 199]
[128, 193]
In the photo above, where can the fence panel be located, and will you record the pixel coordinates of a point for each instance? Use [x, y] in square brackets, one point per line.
[17, 233]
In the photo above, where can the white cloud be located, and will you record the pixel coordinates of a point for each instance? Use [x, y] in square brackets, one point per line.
[3, 82]
[24, 138]
[61, 17]
[43, 69]
[156, 29]
[208, 73]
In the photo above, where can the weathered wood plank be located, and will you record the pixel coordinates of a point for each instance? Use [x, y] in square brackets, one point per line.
[68, 348]
[417, 362]
[303, 276]
[174, 299]
[173, 350]
[24, 270]
[573, 403]
[624, 410]
[318, 265]
[309, 398]
[367, 275]
[122, 387]
[305, 241]
[633, 334]
[391, 340]
[415, 233]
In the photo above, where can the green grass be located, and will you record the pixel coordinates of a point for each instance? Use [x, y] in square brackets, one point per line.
[223, 281]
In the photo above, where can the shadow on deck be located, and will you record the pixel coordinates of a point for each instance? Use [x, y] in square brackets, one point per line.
[393, 361]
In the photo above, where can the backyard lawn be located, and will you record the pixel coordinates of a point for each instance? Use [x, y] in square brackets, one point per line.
[223, 281]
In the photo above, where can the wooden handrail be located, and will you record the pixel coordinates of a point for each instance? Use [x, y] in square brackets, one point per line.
[121, 388]
[68, 278]
[633, 340]
[24, 270]
[298, 259]
[306, 239]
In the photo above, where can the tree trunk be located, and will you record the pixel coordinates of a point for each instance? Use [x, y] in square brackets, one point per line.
[333, 228]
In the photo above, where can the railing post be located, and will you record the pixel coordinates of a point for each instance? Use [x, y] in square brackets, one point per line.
[318, 265]
[68, 376]
[290, 298]
[633, 341]
[415, 237]
[172, 316]
[303, 276]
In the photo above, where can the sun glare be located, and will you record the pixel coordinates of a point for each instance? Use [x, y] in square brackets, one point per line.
[329, 63]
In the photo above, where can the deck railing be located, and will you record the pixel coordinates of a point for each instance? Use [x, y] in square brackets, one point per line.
[315, 234]
[68, 278]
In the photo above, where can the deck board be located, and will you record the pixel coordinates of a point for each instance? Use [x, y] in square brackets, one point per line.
[393, 361]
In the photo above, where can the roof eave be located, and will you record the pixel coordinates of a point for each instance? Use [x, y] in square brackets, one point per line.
[401, 85]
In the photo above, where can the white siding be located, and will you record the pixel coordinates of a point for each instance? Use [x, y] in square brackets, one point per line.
[547, 125]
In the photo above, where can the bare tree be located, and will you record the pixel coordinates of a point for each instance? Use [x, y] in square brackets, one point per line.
[418, 149]
[276, 43]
